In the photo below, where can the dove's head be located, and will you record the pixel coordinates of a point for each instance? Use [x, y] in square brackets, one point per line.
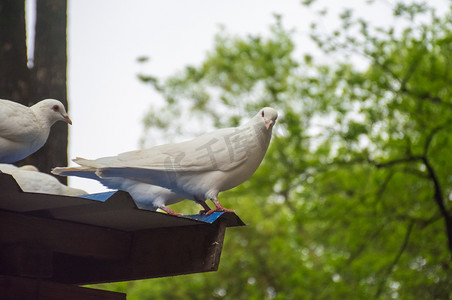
[268, 115]
[51, 110]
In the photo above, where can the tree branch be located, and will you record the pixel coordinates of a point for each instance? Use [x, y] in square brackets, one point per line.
[366, 243]
[432, 134]
[438, 195]
[285, 194]
[439, 199]
[397, 161]
[424, 96]
[413, 66]
[421, 222]
[396, 259]
[383, 186]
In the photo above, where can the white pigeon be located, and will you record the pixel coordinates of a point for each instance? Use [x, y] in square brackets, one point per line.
[24, 130]
[32, 181]
[198, 169]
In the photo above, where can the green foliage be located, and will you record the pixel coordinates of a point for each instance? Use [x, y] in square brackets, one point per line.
[352, 199]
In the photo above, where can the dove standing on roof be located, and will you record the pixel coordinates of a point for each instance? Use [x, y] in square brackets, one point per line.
[24, 130]
[198, 169]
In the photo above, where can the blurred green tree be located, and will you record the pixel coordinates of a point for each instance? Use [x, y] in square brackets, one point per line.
[353, 198]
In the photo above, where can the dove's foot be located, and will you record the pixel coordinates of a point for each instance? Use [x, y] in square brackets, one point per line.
[208, 212]
[218, 209]
[170, 211]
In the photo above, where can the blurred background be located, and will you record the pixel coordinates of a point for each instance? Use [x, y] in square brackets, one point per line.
[353, 199]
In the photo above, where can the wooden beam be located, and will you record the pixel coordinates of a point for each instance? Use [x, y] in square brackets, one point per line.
[64, 237]
[75, 253]
[154, 253]
[26, 260]
[25, 288]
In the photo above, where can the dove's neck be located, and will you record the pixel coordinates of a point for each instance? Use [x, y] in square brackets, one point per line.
[45, 121]
[262, 135]
[257, 139]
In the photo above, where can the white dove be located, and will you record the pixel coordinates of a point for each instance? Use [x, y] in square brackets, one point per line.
[23, 130]
[32, 181]
[198, 169]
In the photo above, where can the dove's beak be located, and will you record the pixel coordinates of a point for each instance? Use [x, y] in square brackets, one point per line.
[67, 119]
[268, 124]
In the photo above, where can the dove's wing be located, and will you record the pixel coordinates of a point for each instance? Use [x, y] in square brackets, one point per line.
[221, 150]
[17, 122]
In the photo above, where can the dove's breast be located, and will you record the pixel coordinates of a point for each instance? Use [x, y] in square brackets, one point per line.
[227, 180]
[12, 151]
[240, 174]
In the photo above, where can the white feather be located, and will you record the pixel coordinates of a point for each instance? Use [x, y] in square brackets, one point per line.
[32, 181]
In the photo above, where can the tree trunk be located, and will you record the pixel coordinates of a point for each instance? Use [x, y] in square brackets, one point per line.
[14, 74]
[46, 79]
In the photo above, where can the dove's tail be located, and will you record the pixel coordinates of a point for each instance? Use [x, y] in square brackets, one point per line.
[87, 169]
[85, 172]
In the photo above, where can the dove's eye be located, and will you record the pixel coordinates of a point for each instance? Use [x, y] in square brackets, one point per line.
[55, 108]
[262, 113]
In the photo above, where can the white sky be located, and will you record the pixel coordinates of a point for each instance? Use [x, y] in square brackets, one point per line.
[106, 100]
